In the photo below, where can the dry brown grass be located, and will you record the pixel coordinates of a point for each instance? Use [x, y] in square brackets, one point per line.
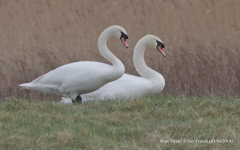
[201, 38]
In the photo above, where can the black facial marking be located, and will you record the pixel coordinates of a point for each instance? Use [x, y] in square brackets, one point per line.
[160, 43]
[162, 46]
[124, 35]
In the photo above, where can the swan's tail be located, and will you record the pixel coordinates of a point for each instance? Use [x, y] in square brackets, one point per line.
[25, 85]
[44, 88]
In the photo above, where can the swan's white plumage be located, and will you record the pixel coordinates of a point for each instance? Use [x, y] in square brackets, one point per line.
[126, 87]
[129, 86]
[77, 78]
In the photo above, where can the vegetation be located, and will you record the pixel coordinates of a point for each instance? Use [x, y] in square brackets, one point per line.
[201, 37]
[147, 123]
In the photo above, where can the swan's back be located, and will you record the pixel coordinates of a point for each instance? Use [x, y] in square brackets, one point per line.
[87, 74]
[126, 87]
[83, 69]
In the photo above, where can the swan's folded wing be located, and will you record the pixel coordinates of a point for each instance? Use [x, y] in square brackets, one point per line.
[80, 69]
[123, 88]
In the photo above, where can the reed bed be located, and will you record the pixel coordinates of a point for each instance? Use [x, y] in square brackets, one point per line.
[201, 38]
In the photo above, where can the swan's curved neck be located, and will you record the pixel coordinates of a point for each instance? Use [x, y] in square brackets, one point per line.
[103, 49]
[139, 63]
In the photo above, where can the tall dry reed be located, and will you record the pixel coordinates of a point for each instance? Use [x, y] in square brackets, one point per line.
[201, 38]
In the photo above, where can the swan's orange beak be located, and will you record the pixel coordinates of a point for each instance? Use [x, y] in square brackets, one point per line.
[159, 48]
[123, 39]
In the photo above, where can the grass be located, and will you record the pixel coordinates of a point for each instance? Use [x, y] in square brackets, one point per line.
[147, 123]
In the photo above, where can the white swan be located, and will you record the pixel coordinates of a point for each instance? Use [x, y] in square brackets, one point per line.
[129, 86]
[77, 78]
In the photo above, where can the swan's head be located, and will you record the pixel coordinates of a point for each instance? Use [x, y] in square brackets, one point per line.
[155, 42]
[120, 33]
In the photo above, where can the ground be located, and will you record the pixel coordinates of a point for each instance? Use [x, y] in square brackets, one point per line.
[153, 122]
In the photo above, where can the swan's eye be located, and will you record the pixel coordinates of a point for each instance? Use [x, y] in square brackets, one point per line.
[123, 35]
[160, 43]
